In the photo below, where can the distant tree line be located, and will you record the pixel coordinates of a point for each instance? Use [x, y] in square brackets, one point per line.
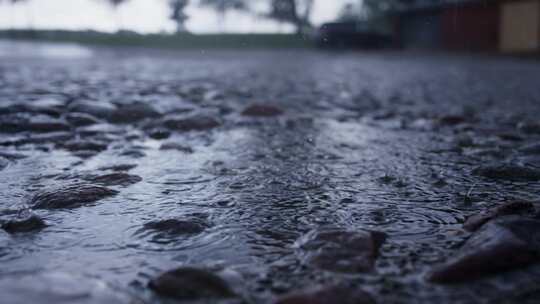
[293, 12]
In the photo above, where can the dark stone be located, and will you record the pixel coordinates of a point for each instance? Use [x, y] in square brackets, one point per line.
[71, 196]
[26, 223]
[529, 127]
[58, 288]
[508, 172]
[117, 168]
[84, 145]
[177, 147]
[187, 283]
[130, 113]
[134, 153]
[452, 120]
[341, 250]
[476, 221]
[197, 122]
[81, 119]
[34, 123]
[3, 163]
[99, 109]
[329, 295]
[532, 149]
[42, 123]
[173, 227]
[159, 133]
[100, 129]
[262, 110]
[502, 244]
[115, 179]
[12, 156]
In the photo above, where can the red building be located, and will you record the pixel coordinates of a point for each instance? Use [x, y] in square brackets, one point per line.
[471, 25]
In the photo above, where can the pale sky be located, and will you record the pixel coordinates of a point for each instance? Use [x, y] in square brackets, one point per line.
[139, 15]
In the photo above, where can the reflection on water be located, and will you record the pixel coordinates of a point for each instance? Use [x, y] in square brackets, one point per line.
[25, 49]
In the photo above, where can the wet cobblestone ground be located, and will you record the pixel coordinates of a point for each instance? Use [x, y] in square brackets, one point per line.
[278, 171]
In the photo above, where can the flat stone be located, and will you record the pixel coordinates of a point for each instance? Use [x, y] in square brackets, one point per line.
[520, 207]
[115, 179]
[503, 244]
[182, 226]
[117, 168]
[84, 145]
[177, 147]
[12, 156]
[340, 250]
[3, 163]
[26, 223]
[531, 127]
[81, 119]
[34, 123]
[57, 288]
[130, 113]
[198, 122]
[71, 196]
[99, 109]
[452, 119]
[159, 133]
[262, 110]
[188, 283]
[508, 172]
[328, 295]
[532, 149]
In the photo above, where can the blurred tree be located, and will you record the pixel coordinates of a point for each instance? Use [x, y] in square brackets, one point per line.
[223, 6]
[115, 4]
[178, 14]
[295, 12]
[373, 13]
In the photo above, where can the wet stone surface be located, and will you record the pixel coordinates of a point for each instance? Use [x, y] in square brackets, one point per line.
[141, 162]
[191, 284]
[70, 196]
[56, 287]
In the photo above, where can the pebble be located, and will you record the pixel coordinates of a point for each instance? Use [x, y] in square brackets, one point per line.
[115, 179]
[159, 133]
[529, 127]
[26, 223]
[196, 122]
[328, 295]
[99, 109]
[532, 149]
[35, 123]
[71, 196]
[84, 145]
[130, 113]
[177, 147]
[262, 110]
[340, 250]
[173, 227]
[503, 244]
[125, 167]
[508, 172]
[519, 207]
[186, 283]
[81, 119]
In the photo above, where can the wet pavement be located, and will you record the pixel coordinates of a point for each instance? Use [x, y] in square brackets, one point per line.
[258, 174]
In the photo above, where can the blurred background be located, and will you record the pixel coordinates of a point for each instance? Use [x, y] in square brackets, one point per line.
[509, 26]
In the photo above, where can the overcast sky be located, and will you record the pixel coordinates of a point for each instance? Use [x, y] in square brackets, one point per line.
[139, 15]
